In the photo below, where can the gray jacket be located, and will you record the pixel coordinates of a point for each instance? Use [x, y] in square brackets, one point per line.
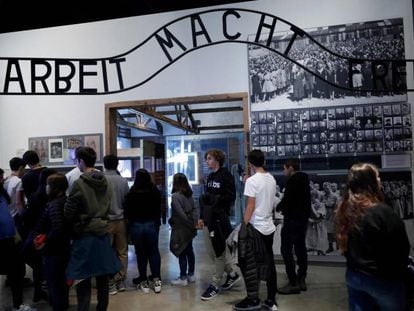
[119, 191]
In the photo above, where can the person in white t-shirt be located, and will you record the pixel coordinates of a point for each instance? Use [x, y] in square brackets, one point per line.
[260, 191]
[72, 176]
[13, 185]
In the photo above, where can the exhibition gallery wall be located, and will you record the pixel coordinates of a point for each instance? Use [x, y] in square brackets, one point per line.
[55, 82]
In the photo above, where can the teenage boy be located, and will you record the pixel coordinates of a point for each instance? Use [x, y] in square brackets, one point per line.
[214, 219]
[260, 191]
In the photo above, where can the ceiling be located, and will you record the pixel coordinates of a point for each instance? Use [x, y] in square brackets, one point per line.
[18, 15]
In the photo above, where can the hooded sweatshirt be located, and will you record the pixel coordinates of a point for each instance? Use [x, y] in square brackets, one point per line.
[88, 204]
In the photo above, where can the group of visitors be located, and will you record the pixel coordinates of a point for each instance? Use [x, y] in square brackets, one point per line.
[68, 239]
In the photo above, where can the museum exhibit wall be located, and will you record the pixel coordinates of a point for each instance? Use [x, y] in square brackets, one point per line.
[215, 69]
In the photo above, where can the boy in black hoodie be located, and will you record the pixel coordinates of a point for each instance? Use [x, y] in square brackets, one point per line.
[214, 219]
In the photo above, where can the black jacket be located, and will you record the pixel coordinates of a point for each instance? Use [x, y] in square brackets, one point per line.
[296, 201]
[380, 246]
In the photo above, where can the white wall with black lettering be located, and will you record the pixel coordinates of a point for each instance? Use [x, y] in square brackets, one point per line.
[220, 68]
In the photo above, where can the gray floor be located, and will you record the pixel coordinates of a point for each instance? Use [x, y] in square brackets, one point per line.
[326, 288]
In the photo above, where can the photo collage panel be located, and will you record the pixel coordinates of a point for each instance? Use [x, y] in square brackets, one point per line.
[357, 129]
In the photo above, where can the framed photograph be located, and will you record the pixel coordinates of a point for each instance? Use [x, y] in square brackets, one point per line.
[331, 125]
[315, 137]
[369, 147]
[255, 129]
[255, 140]
[289, 138]
[288, 127]
[350, 147]
[359, 112]
[340, 113]
[367, 111]
[271, 140]
[333, 148]
[405, 108]
[280, 128]
[378, 123]
[263, 140]
[279, 116]
[306, 126]
[306, 149]
[280, 151]
[387, 110]
[56, 150]
[360, 135]
[388, 134]
[387, 122]
[378, 147]
[369, 134]
[332, 136]
[341, 136]
[315, 149]
[322, 114]
[408, 145]
[407, 121]
[396, 121]
[331, 114]
[271, 117]
[262, 118]
[360, 147]
[342, 148]
[396, 109]
[287, 116]
[378, 134]
[263, 128]
[40, 146]
[314, 115]
[350, 135]
[398, 145]
[349, 112]
[377, 111]
[280, 139]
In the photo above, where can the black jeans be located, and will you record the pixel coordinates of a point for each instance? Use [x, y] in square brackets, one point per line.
[56, 282]
[293, 235]
[187, 257]
[83, 293]
[12, 264]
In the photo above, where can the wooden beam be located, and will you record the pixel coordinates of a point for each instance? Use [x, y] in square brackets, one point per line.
[205, 110]
[220, 127]
[163, 118]
[140, 127]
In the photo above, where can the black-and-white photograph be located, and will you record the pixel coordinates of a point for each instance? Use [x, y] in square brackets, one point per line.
[55, 150]
[276, 82]
[326, 192]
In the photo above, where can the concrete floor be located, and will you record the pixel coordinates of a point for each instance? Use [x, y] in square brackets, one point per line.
[326, 288]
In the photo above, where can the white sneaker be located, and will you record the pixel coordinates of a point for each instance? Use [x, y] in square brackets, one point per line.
[157, 286]
[191, 278]
[24, 307]
[113, 290]
[180, 282]
[143, 286]
[121, 286]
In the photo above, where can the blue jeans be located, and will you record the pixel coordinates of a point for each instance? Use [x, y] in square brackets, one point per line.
[144, 236]
[187, 256]
[366, 293]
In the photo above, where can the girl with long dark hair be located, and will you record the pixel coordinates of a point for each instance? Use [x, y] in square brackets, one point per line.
[374, 241]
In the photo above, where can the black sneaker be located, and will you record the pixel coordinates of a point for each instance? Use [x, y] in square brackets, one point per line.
[269, 304]
[302, 284]
[210, 293]
[289, 289]
[248, 304]
[230, 281]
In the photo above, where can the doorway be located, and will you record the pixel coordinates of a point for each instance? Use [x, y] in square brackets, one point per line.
[180, 129]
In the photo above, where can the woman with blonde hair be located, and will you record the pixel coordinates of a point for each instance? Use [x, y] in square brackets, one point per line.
[374, 241]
